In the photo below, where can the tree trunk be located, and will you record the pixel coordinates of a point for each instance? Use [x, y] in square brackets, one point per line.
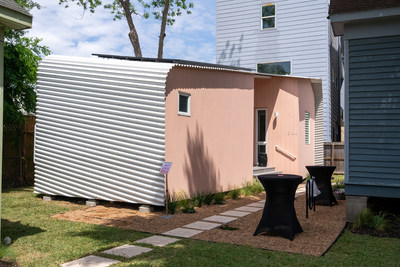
[162, 31]
[133, 36]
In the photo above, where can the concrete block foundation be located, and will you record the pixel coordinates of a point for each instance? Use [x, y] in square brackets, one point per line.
[354, 205]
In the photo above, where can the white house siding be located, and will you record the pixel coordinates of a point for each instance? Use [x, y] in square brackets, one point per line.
[100, 130]
[301, 36]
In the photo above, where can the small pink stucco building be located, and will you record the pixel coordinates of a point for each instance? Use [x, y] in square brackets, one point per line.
[105, 126]
[215, 146]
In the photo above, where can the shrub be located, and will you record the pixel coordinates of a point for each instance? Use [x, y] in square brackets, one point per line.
[234, 194]
[219, 198]
[208, 198]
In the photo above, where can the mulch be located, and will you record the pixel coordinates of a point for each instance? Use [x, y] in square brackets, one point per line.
[320, 230]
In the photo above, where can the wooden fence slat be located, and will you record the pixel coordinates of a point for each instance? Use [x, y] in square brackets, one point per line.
[334, 156]
[18, 140]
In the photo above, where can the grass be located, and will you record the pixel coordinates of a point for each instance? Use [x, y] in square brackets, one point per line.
[40, 240]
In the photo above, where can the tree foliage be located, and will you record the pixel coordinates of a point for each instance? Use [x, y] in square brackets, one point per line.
[21, 59]
[164, 10]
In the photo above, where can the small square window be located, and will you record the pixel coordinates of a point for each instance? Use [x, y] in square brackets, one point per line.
[184, 104]
[268, 16]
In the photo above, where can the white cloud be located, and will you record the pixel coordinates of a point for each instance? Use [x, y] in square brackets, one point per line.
[67, 31]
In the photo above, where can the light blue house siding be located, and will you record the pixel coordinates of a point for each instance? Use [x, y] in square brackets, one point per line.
[373, 114]
[302, 35]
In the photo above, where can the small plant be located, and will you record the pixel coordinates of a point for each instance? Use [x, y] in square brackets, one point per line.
[338, 182]
[172, 205]
[234, 194]
[252, 188]
[246, 190]
[208, 198]
[184, 203]
[219, 198]
[188, 209]
[198, 200]
[364, 219]
[379, 222]
[257, 186]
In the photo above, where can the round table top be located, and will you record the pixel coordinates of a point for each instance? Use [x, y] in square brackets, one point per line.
[320, 167]
[280, 176]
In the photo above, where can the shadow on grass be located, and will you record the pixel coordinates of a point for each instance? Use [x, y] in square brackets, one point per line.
[110, 234]
[16, 230]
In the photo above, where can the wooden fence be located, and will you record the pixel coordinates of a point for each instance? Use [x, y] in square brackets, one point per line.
[18, 141]
[334, 156]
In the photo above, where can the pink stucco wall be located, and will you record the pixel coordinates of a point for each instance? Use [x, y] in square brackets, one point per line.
[290, 97]
[212, 150]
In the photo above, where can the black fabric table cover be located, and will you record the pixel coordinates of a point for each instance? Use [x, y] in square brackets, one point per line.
[323, 175]
[279, 215]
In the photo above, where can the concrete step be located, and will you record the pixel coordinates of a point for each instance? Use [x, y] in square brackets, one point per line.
[257, 171]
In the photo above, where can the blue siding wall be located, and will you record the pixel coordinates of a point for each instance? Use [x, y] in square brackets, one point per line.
[374, 117]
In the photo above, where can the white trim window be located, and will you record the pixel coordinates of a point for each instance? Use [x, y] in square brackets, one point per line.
[183, 104]
[268, 16]
[282, 68]
[307, 127]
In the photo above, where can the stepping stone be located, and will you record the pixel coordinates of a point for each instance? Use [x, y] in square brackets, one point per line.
[90, 261]
[220, 219]
[158, 241]
[127, 251]
[182, 232]
[256, 205]
[261, 201]
[246, 208]
[235, 213]
[203, 225]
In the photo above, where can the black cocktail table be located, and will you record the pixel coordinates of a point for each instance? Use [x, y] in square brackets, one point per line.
[279, 216]
[323, 175]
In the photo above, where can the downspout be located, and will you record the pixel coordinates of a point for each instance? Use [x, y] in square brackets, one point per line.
[1, 109]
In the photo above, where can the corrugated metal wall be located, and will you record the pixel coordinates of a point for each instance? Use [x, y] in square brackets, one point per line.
[374, 115]
[100, 131]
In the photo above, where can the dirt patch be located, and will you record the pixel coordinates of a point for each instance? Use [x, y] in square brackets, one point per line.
[320, 230]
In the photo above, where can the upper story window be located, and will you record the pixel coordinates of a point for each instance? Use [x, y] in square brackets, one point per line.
[183, 104]
[268, 16]
[282, 68]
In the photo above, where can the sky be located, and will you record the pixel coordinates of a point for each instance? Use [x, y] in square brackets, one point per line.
[70, 31]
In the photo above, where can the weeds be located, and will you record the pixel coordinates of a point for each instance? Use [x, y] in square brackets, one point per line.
[252, 188]
[233, 194]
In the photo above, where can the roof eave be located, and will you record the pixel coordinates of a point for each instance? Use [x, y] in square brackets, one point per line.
[14, 20]
[338, 20]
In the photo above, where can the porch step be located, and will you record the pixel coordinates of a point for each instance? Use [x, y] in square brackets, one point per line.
[264, 170]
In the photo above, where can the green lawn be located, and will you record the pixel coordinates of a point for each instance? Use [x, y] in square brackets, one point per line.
[39, 240]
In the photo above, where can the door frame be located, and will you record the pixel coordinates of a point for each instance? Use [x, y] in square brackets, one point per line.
[257, 143]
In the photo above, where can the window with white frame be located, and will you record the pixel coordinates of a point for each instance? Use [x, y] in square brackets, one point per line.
[268, 16]
[282, 68]
[183, 104]
[307, 127]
